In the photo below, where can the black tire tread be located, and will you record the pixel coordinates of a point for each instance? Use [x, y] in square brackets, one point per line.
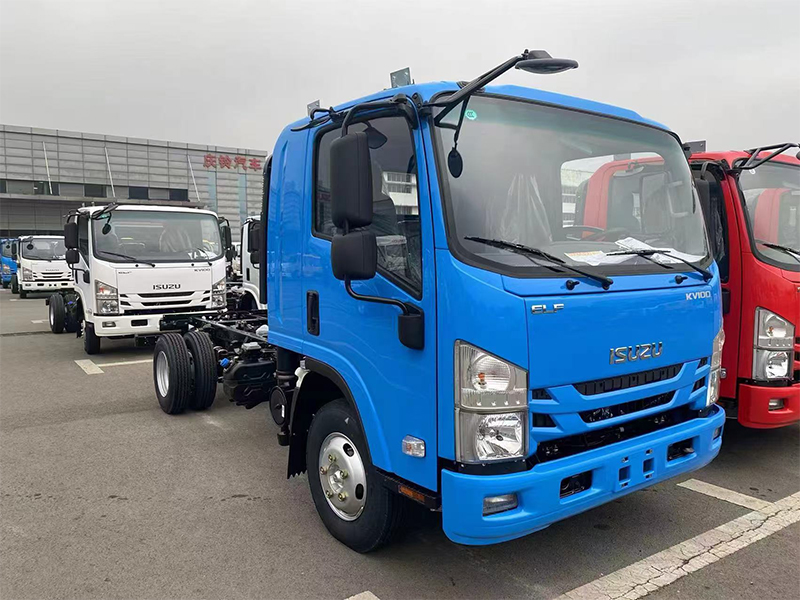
[58, 312]
[91, 342]
[180, 376]
[205, 369]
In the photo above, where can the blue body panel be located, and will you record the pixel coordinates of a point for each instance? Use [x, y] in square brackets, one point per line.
[399, 391]
[8, 265]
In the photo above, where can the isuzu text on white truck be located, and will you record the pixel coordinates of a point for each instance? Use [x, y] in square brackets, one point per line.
[133, 264]
[40, 265]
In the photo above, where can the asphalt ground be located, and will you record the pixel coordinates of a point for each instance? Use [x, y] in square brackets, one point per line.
[104, 496]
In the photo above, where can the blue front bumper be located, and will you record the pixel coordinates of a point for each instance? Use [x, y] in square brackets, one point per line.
[617, 470]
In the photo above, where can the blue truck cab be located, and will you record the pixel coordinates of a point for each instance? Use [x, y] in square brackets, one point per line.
[444, 327]
[8, 264]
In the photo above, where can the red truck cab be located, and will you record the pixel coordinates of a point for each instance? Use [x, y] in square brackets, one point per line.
[752, 206]
[753, 217]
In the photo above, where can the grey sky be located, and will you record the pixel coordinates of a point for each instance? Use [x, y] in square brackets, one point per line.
[234, 73]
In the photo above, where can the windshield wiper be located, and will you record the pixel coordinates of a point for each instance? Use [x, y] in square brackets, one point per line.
[131, 258]
[528, 251]
[206, 253]
[795, 254]
[707, 276]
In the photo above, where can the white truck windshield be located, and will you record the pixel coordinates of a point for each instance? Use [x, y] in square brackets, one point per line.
[156, 236]
[43, 248]
[578, 186]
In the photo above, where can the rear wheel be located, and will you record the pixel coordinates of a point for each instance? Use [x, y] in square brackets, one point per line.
[356, 509]
[57, 313]
[91, 342]
[14, 285]
[172, 373]
[204, 367]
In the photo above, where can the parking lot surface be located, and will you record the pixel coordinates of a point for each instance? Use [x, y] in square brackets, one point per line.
[104, 496]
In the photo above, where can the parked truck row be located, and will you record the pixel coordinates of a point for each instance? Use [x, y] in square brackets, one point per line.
[504, 304]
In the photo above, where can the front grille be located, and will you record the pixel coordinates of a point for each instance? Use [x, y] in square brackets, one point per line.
[165, 310]
[626, 408]
[623, 382]
[164, 294]
[575, 444]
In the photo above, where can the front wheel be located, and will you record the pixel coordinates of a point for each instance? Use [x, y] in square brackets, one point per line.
[57, 313]
[355, 508]
[23, 294]
[172, 373]
[5, 285]
[91, 341]
[14, 285]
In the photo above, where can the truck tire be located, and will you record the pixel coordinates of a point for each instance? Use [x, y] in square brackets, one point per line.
[172, 373]
[91, 342]
[356, 508]
[23, 294]
[5, 284]
[204, 367]
[57, 313]
[14, 284]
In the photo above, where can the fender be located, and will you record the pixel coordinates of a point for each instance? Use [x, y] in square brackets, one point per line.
[322, 384]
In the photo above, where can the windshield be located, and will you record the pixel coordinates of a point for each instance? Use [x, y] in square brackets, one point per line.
[771, 194]
[576, 185]
[44, 248]
[156, 236]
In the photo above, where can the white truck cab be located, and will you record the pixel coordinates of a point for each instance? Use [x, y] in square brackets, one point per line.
[41, 264]
[133, 264]
[248, 290]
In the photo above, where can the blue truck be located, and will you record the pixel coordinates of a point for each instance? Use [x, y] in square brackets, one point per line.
[442, 329]
[8, 264]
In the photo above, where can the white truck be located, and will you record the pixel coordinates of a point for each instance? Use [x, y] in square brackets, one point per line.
[41, 265]
[133, 264]
[246, 289]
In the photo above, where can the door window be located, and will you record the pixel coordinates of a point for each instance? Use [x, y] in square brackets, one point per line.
[395, 218]
[83, 236]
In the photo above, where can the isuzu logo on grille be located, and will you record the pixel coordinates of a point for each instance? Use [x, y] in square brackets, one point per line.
[166, 286]
[638, 352]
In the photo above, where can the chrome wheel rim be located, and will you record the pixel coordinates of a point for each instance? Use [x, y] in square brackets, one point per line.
[162, 374]
[342, 476]
[52, 319]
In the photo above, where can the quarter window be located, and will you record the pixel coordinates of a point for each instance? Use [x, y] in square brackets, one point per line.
[395, 217]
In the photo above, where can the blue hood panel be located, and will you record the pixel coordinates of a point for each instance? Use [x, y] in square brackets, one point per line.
[573, 343]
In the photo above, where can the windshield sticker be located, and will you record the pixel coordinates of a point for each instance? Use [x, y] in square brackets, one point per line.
[630, 243]
[595, 258]
[471, 114]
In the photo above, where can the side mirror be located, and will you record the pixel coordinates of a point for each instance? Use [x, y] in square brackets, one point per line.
[73, 256]
[254, 236]
[351, 181]
[71, 234]
[255, 259]
[14, 251]
[227, 243]
[354, 256]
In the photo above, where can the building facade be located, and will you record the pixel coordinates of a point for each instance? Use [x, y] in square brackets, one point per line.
[44, 173]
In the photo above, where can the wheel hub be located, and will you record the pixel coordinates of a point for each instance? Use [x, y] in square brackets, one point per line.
[342, 476]
[162, 374]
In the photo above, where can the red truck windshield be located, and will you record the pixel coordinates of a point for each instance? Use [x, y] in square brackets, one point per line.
[772, 197]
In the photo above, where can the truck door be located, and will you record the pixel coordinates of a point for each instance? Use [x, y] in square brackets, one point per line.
[717, 195]
[394, 386]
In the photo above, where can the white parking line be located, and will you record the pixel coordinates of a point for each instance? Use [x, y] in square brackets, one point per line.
[709, 489]
[91, 368]
[663, 568]
[88, 367]
[126, 362]
[364, 596]
[38, 321]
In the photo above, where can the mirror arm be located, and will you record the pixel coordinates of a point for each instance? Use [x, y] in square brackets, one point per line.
[377, 299]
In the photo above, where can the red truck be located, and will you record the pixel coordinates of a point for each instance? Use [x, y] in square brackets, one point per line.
[752, 206]
[751, 201]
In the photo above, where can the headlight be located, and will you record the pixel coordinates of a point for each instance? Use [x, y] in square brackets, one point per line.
[712, 389]
[773, 334]
[27, 274]
[770, 364]
[772, 331]
[491, 406]
[107, 298]
[218, 294]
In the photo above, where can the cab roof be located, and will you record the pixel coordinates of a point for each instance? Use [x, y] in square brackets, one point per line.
[148, 208]
[428, 91]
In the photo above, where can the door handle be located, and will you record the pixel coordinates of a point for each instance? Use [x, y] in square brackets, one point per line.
[312, 312]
